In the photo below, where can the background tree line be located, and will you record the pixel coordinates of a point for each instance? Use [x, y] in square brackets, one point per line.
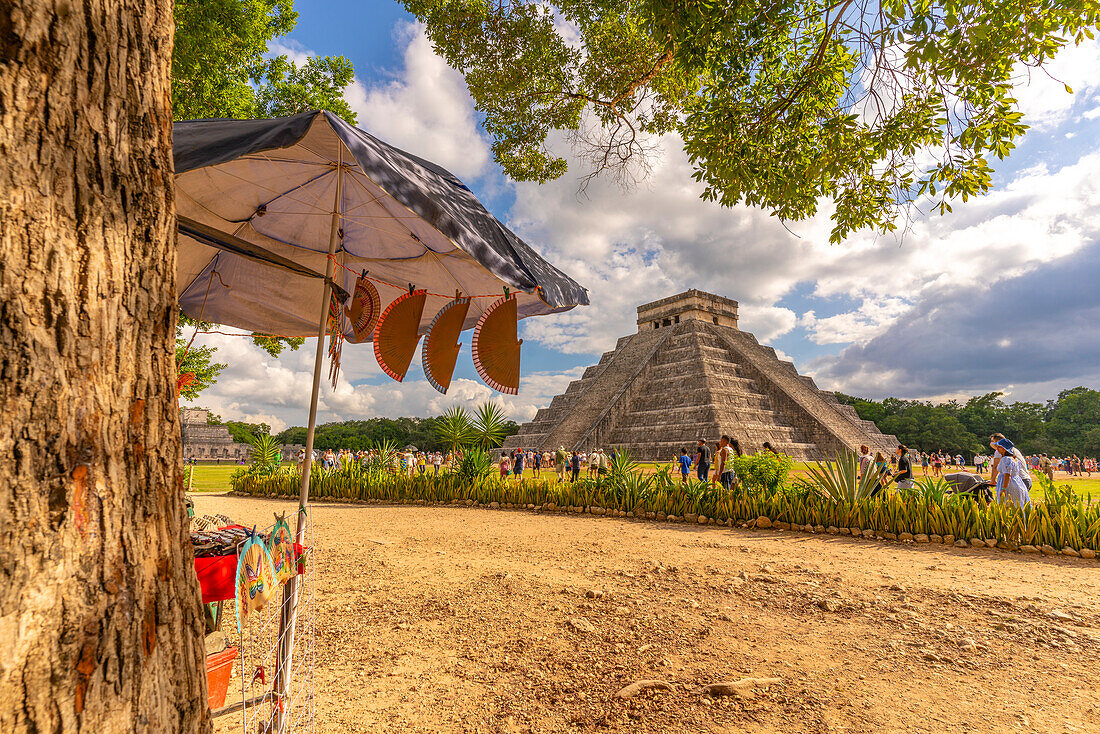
[1069, 424]
[422, 433]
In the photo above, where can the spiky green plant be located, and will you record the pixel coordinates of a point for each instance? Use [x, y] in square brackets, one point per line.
[489, 426]
[454, 429]
[839, 479]
[265, 454]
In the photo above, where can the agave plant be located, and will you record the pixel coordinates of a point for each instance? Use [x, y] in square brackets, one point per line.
[475, 467]
[383, 457]
[622, 465]
[839, 479]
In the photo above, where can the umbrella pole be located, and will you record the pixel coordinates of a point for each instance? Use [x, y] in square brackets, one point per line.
[289, 613]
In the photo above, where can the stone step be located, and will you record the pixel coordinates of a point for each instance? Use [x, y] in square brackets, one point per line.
[631, 355]
[666, 451]
[655, 416]
[758, 432]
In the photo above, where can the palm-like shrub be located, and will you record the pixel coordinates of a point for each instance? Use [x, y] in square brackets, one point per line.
[265, 453]
[839, 479]
[475, 467]
[622, 465]
[454, 429]
[489, 426]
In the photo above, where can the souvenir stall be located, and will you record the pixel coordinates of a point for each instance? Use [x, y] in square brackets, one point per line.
[408, 254]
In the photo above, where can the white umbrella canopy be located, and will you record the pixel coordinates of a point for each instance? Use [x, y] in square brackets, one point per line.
[266, 206]
[403, 220]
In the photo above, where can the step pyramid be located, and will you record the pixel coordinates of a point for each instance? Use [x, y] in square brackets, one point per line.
[690, 373]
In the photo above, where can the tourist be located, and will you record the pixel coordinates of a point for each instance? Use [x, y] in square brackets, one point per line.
[925, 460]
[517, 467]
[421, 463]
[724, 463]
[1046, 466]
[882, 466]
[865, 460]
[702, 461]
[437, 461]
[1010, 470]
[536, 463]
[602, 463]
[904, 476]
[685, 465]
[503, 466]
[410, 462]
[560, 460]
[576, 466]
[301, 457]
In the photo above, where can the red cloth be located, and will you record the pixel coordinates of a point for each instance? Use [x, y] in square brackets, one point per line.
[218, 575]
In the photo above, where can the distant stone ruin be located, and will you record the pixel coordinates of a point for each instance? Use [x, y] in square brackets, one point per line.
[205, 441]
[690, 373]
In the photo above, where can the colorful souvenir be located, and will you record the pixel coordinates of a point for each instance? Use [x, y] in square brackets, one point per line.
[397, 333]
[281, 546]
[366, 307]
[255, 579]
[440, 351]
[496, 347]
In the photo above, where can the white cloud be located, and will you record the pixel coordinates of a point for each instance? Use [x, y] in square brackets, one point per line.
[872, 317]
[1042, 94]
[258, 388]
[425, 109]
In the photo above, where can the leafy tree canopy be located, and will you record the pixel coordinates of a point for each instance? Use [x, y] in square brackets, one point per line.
[1070, 424]
[424, 433]
[221, 66]
[782, 104]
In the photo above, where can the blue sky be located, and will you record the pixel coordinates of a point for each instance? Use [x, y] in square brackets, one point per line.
[874, 316]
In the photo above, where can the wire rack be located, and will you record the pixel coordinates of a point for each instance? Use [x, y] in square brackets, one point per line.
[272, 702]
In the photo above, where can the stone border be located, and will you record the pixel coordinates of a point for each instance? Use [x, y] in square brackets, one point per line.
[760, 523]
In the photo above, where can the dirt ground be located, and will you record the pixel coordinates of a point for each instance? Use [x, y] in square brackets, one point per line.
[447, 619]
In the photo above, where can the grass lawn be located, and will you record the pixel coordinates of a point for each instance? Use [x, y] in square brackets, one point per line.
[209, 478]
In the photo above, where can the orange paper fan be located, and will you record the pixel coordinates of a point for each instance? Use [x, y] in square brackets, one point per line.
[396, 336]
[496, 348]
[366, 306]
[440, 350]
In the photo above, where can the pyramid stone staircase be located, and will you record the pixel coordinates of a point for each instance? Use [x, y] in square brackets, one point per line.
[690, 373]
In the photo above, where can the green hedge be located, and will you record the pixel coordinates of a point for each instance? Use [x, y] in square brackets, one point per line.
[1065, 519]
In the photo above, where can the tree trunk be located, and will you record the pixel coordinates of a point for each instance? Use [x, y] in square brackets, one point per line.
[100, 627]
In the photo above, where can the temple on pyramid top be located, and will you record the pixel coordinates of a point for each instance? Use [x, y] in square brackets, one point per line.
[691, 373]
[693, 304]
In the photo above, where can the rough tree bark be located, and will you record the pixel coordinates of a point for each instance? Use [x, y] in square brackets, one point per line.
[99, 607]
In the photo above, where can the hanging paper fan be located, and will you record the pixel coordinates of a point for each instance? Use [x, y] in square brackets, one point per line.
[440, 351]
[397, 333]
[281, 546]
[365, 308]
[255, 578]
[496, 348]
